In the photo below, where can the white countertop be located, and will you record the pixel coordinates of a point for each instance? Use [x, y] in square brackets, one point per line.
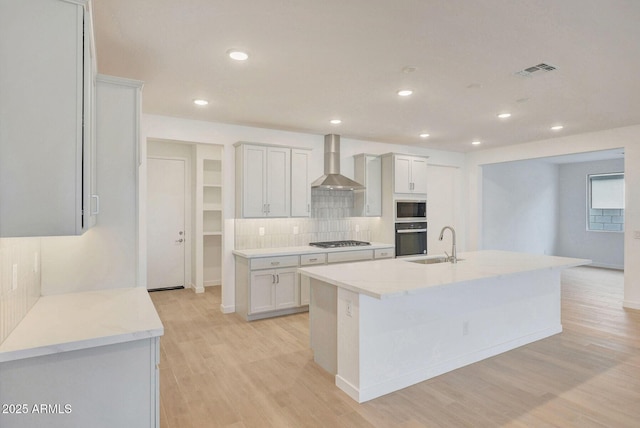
[305, 249]
[396, 277]
[69, 322]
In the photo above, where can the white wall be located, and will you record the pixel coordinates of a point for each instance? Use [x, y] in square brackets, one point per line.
[606, 249]
[161, 127]
[626, 138]
[520, 207]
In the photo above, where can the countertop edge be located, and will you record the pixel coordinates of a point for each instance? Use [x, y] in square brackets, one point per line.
[27, 339]
[304, 249]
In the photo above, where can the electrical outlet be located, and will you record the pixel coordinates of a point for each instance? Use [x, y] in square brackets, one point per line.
[465, 328]
[14, 280]
[349, 308]
[261, 231]
[357, 228]
[296, 230]
[636, 234]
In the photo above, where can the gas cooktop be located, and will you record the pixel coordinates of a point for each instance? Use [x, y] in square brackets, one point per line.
[335, 244]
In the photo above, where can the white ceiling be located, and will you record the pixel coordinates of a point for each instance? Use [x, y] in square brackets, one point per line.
[314, 60]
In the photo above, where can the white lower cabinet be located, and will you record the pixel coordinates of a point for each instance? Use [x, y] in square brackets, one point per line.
[273, 289]
[271, 286]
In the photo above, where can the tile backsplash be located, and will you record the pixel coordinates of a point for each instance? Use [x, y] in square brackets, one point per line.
[331, 220]
[24, 254]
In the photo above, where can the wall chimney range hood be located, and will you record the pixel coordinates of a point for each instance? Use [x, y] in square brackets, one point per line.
[332, 179]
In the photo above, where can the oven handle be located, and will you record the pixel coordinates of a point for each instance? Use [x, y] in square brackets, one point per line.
[411, 230]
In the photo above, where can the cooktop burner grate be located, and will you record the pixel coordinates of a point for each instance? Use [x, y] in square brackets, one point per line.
[336, 244]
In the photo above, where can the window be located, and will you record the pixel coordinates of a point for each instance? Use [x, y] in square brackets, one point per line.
[606, 202]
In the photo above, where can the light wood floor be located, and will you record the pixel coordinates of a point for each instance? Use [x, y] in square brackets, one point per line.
[219, 371]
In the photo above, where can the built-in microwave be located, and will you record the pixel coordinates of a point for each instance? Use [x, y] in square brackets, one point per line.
[411, 210]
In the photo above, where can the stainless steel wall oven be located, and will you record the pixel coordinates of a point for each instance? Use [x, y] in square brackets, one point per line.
[411, 238]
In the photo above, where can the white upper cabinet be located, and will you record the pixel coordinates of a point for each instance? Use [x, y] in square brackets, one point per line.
[368, 172]
[263, 177]
[410, 174]
[300, 183]
[47, 81]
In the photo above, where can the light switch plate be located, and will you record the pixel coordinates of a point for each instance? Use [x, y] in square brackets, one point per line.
[296, 230]
[14, 279]
[636, 234]
[261, 231]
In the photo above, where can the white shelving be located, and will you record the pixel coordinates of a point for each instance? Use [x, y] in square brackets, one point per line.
[210, 218]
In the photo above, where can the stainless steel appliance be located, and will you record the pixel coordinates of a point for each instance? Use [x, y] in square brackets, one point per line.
[411, 210]
[332, 179]
[337, 244]
[411, 238]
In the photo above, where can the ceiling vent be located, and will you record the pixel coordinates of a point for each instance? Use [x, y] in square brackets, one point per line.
[536, 69]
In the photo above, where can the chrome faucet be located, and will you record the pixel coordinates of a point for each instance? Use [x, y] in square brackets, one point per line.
[453, 258]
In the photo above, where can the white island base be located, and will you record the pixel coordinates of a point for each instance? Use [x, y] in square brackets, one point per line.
[377, 345]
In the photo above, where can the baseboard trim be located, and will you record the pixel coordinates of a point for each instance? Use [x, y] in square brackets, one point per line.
[227, 309]
[629, 304]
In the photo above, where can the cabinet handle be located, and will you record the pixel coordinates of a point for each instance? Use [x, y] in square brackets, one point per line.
[313, 259]
[277, 278]
[308, 208]
[275, 263]
[264, 208]
[268, 208]
[97, 199]
[273, 279]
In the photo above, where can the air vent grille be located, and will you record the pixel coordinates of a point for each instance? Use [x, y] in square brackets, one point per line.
[529, 71]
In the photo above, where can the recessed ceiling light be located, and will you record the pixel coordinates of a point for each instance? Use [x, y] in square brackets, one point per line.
[405, 92]
[424, 135]
[504, 115]
[200, 102]
[335, 121]
[237, 54]
[475, 143]
[557, 127]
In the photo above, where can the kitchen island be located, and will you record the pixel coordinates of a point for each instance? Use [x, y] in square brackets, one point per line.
[382, 325]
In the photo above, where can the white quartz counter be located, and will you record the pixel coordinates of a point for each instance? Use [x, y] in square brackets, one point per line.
[396, 277]
[304, 249]
[69, 322]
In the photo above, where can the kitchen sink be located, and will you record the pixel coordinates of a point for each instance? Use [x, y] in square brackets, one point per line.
[432, 260]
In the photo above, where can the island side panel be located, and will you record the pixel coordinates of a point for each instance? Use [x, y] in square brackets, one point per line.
[349, 342]
[405, 340]
[323, 333]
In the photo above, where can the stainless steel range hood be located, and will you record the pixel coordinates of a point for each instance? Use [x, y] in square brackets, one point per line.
[332, 179]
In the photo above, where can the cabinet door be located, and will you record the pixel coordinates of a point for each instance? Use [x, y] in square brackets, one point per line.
[262, 293]
[41, 138]
[254, 185]
[402, 174]
[305, 289]
[286, 288]
[278, 181]
[300, 184]
[373, 189]
[419, 175]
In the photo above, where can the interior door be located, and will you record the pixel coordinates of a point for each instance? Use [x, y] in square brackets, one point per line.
[165, 223]
[443, 207]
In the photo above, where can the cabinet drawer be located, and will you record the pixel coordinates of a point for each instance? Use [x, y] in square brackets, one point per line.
[350, 256]
[313, 259]
[274, 262]
[383, 253]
